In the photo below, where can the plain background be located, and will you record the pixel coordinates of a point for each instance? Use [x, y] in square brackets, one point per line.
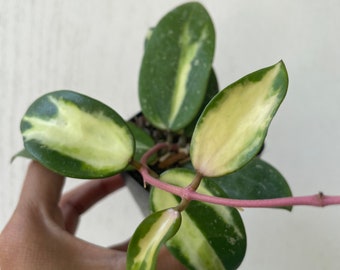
[95, 47]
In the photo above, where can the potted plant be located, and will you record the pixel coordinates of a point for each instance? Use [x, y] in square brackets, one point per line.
[195, 145]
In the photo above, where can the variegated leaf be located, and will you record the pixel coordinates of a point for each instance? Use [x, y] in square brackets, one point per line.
[233, 126]
[149, 237]
[176, 67]
[211, 236]
[76, 135]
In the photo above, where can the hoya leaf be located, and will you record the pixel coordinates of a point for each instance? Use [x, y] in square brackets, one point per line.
[76, 136]
[255, 181]
[148, 238]
[176, 67]
[233, 126]
[211, 236]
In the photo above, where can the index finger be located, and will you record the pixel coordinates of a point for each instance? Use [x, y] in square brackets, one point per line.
[78, 200]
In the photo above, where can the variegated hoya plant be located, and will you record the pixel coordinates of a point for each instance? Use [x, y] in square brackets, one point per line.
[197, 146]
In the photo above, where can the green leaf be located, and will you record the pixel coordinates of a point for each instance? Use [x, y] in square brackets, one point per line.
[176, 67]
[255, 181]
[76, 135]
[233, 126]
[148, 238]
[211, 236]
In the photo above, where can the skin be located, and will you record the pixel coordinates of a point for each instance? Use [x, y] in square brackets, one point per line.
[40, 233]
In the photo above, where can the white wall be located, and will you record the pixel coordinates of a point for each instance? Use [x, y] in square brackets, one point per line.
[96, 46]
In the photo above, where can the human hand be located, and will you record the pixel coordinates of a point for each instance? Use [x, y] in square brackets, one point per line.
[40, 234]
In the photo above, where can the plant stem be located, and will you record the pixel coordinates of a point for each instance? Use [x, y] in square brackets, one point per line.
[196, 182]
[311, 200]
[188, 194]
[191, 188]
[182, 205]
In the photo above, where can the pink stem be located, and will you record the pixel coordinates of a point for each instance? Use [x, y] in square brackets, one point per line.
[311, 200]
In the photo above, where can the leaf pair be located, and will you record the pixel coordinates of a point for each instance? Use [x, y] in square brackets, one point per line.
[211, 236]
[173, 83]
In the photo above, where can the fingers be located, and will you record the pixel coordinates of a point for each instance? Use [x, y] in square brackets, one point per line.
[78, 200]
[42, 187]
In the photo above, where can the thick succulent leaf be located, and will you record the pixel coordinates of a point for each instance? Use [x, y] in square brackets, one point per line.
[143, 141]
[255, 181]
[76, 135]
[176, 67]
[211, 236]
[148, 238]
[233, 126]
